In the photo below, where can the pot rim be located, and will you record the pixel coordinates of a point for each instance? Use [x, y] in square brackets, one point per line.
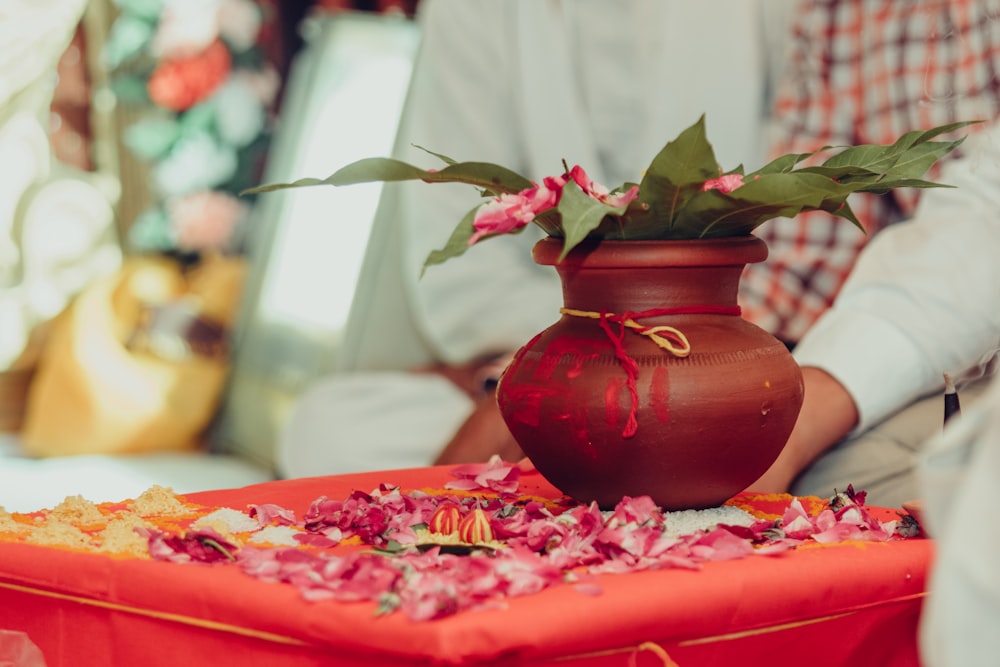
[597, 253]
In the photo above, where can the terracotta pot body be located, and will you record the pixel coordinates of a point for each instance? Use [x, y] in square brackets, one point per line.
[703, 426]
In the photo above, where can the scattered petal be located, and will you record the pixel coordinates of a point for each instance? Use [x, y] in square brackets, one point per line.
[494, 475]
[532, 544]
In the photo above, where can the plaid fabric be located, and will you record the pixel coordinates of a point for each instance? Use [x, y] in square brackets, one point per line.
[864, 71]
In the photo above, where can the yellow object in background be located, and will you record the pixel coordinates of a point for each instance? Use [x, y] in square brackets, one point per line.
[137, 363]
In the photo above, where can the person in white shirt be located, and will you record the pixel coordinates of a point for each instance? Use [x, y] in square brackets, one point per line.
[554, 96]
[959, 476]
[922, 301]
[591, 82]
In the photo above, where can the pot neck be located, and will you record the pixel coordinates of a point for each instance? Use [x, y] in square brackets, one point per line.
[630, 289]
[594, 253]
[635, 276]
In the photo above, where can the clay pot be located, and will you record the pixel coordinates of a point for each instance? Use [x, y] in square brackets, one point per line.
[689, 431]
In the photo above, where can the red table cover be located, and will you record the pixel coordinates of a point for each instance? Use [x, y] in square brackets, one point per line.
[855, 603]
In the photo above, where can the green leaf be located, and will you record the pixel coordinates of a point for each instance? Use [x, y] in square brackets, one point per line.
[783, 163]
[916, 137]
[687, 160]
[842, 209]
[912, 154]
[443, 158]
[393, 546]
[550, 222]
[672, 202]
[457, 243]
[581, 214]
[883, 187]
[842, 174]
[916, 161]
[492, 178]
[637, 223]
[714, 214]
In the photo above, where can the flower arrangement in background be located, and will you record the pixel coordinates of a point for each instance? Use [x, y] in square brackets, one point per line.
[196, 70]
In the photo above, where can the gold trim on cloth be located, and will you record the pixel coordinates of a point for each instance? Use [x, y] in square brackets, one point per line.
[162, 615]
[667, 661]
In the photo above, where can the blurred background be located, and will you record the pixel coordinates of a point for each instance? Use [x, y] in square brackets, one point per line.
[155, 323]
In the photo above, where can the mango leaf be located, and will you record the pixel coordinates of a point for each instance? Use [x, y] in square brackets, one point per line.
[581, 214]
[910, 156]
[457, 243]
[689, 159]
[673, 202]
[916, 161]
[643, 221]
[550, 222]
[842, 174]
[783, 163]
[489, 177]
[904, 174]
[905, 153]
[883, 187]
[842, 209]
[767, 196]
[443, 158]
[913, 162]
[916, 137]
[901, 157]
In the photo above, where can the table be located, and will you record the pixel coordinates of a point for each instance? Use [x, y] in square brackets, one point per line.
[855, 603]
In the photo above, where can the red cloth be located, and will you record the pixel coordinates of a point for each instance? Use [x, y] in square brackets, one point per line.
[848, 604]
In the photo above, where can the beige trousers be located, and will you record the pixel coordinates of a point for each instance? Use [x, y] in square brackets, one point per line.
[883, 460]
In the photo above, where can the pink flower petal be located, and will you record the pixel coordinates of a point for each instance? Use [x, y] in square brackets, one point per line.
[724, 184]
[546, 544]
[268, 514]
[494, 475]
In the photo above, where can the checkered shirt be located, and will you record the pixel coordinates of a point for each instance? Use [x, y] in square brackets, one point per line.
[864, 71]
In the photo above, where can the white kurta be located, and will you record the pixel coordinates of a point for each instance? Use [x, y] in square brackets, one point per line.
[529, 84]
[960, 476]
[924, 297]
[526, 84]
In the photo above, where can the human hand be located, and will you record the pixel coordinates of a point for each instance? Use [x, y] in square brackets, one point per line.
[482, 435]
[828, 414]
[471, 376]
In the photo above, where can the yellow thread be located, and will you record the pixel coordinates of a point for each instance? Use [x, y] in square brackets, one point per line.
[161, 615]
[653, 648]
[763, 631]
[650, 332]
[633, 653]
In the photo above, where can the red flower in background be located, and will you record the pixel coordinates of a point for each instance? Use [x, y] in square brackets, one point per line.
[180, 83]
